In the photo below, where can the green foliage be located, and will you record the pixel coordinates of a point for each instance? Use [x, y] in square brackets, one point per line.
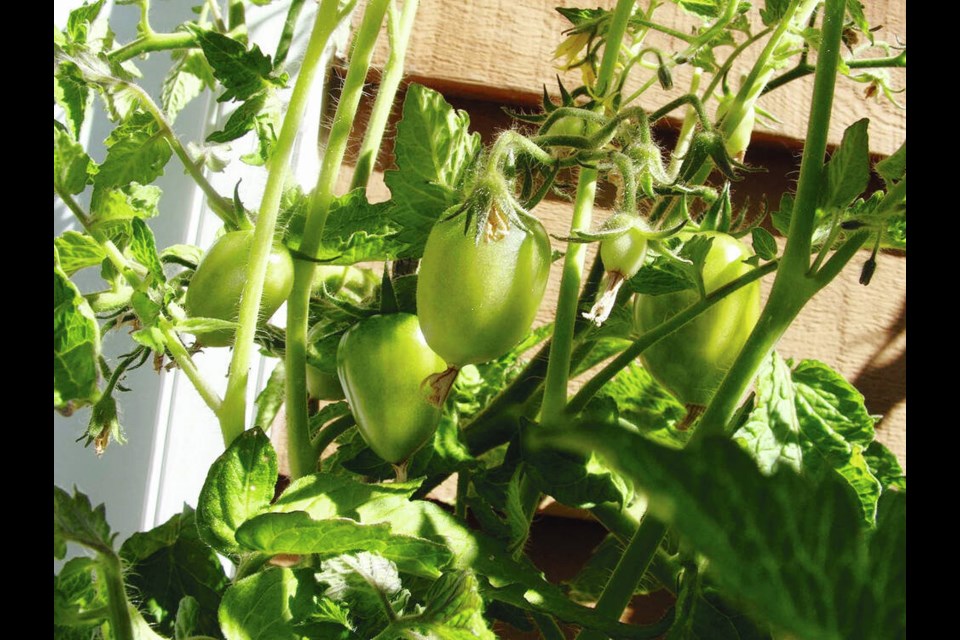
[239, 486]
[804, 582]
[169, 565]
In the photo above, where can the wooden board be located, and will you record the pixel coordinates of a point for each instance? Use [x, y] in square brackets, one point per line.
[502, 50]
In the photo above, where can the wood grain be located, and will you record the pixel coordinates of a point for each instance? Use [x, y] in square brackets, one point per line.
[503, 49]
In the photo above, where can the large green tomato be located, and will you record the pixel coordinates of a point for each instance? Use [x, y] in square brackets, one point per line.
[692, 361]
[217, 284]
[381, 362]
[476, 301]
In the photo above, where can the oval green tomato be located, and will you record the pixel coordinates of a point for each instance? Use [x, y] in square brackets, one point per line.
[217, 284]
[476, 301]
[624, 254]
[381, 362]
[692, 361]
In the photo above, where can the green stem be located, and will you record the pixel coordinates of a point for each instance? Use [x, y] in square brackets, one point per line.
[549, 629]
[648, 339]
[222, 207]
[286, 36]
[793, 286]
[611, 48]
[626, 576]
[463, 485]
[400, 29]
[558, 367]
[116, 257]
[298, 429]
[805, 69]
[796, 254]
[723, 70]
[153, 42]
[729, 13]
[189, 368]
[330, 433]
[234, 403]
[121, 623]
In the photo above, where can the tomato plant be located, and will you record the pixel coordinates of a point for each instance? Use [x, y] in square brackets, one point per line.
[217, 284]
[410, 369]
[381, 363]
[709, 344]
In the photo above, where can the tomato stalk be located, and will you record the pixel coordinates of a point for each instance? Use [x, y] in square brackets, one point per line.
[233, 409]
[302, 458]
[399, 29]
[794, 285]
[121, 624]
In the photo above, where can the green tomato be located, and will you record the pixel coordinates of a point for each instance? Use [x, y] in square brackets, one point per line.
[217, 284]
[381, 362]
[737, 141]
[476, 301]
[692, 361]
[624, 254]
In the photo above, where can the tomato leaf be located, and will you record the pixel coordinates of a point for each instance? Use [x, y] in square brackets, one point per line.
[77, 598]
[78, 251]
[885, 466]
[454, 610]
[764, 243]
[143, 247]
[324, 495]
[356, 230]
[893, 168]
[295, 532]
[850, 583]
[271, 398]
[76, 343]
[848, 170]
[137, 151]
[577, 480]
[640, 400]
[117, 205]
[812, 420]
[70, 91]
[434, 150]
[244, 73]
[364, 584]
[76, 520]
[186, 80]
[170, 563]
[774, 10]
[71, 164]
[187, 623]
[269, 604]
[239, 486]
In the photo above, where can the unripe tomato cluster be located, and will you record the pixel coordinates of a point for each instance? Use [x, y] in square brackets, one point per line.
[476, 299]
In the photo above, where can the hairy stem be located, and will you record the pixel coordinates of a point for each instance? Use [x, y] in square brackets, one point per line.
[401, 26]
[232, 415]
[189, 368]
[121, 624]
[793, 286]
[629, 571]
[298, 430]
